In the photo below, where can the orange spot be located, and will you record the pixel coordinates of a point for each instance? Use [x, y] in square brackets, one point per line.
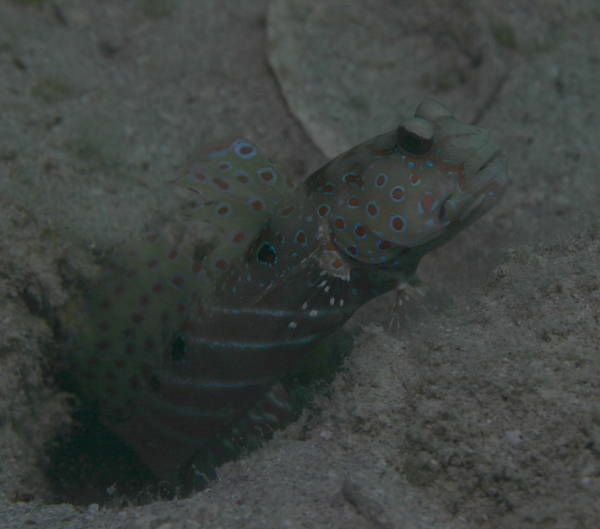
[180, 308]
[103, 345]
[381, 152]
[194, 190]
[221, 264]
[427, 202]
[339, 224]
[105, 305]
[149, 344]
[110, 376]
[287, 211]
[144, 300]
[385, 245]
[257, 205]
[353, 201]
[372, 209]
[414, 178]
[350, 178]
[360, 182]
[397, 194]
[246, 150]
[153, 263]
[398, 223]
[120, 363]
[329, 188]
[132, 274]
[137, 317]
[223, 210]
[221, 183]
[267, 176]
[404, 251]
[152, 238]
[134, 382]
[302, 238]
[329, 246]
[196, 267]
[200, 176]
[323, 210]
[103, 326]
[93, 361]
[157, 287]
[128, 333]
[173, 254]
[223, 167]
[380, 181]
[337, 264]
[360, 231]
[165, 317]
[178, 281]
[243, 179]
[130, 349]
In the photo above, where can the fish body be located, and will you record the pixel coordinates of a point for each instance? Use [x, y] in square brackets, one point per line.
[178, 341]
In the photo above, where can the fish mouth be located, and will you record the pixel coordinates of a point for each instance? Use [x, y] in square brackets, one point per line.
[487, 178]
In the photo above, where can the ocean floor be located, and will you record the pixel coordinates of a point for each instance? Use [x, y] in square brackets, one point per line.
[478, 407]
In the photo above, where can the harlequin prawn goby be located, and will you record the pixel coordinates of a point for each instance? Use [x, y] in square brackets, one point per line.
[177, 343]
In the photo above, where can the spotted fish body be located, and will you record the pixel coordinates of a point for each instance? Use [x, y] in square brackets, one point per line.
[178, 341]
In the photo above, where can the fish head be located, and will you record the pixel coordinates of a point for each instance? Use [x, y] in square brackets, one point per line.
[416, 186]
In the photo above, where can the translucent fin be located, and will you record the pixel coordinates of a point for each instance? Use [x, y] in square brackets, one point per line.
[240, 190]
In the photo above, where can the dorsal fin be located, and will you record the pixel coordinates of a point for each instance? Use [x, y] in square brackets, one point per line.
[240, 190]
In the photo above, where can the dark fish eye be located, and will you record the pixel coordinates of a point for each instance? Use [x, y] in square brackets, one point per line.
[415, 136]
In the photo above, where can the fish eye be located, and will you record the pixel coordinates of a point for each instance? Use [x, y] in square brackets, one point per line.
[415, 136]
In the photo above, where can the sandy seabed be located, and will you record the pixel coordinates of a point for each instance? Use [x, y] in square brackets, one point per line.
[481, 407]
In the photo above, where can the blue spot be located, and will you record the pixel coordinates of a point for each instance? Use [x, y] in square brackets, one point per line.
[294, 254]
[234, 289]
[349, 178]
[244, 149]
[354, 291]
[411, 164]
[249, 278]
[398, 223]
[360, 231]
[430, 163]
[351, 249]
[372, 209]
[301, 238]
[323, 210]
[381, 180]
[398, 194]
[438, 151]
[430, 223]
[329, 188]
[339, 223]
[225, 166]
[309, 218]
